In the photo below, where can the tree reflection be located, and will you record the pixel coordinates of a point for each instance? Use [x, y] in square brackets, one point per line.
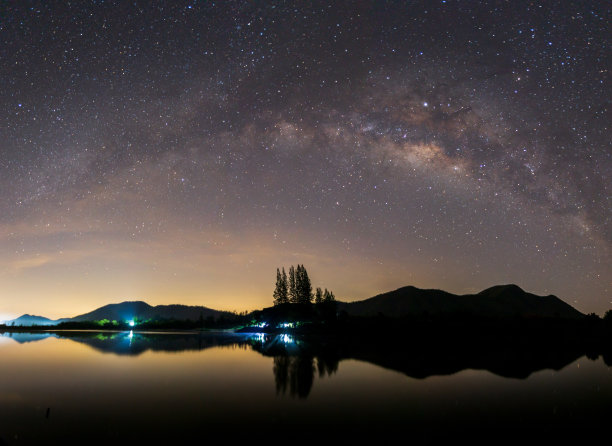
[326, 365]
[295, 372]
[281, 373]
[295, 363]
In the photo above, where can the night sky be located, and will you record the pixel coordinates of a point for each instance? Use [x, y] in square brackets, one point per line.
[180, 151]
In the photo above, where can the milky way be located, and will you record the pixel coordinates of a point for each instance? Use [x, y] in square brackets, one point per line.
[181, 151]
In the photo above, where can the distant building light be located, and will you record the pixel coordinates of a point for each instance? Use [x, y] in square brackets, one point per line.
[131, 323]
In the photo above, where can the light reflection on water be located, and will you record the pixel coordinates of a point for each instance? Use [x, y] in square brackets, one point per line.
[115, 384]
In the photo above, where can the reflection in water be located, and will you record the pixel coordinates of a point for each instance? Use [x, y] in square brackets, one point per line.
[135, 343]
[23, 338]
[327, 366]
[296, 360]
[295, 371]
[56, 392]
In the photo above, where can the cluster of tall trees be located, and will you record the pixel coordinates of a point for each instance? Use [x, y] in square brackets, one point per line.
[297, 288]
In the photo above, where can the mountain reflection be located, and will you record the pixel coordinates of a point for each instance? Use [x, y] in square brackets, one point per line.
[296, 362]
[131, 343]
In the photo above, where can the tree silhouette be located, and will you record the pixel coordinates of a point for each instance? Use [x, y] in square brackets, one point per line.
[299, 276]
[293, 295]
[305, 287]
[280, 290]
[318, 295]
[283, 289]
[277, 294]
[297, 289]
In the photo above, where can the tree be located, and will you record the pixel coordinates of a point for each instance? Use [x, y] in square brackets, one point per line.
[318, 295]
[297, 288]
[284, 291]
[293, 296]
[277, 288]
[305, 287]
[328, 296]
[280, 290]
[298, 284]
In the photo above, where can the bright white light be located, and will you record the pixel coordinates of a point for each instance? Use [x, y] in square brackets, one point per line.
[286, 339]
[131, 323]
[425, 104]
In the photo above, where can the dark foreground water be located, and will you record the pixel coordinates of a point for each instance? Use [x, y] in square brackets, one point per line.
[144, 388]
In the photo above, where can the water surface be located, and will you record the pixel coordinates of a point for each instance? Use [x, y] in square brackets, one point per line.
[145, 388]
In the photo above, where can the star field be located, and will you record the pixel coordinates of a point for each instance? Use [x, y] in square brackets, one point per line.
[178, 152]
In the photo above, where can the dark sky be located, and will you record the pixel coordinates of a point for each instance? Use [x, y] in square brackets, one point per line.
[179, 151]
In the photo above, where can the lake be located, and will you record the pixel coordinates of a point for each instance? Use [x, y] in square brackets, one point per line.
[151, 388]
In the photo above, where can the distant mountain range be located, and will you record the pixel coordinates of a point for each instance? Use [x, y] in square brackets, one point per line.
[126, 311]
[142, 310]
[28, 319]
[497, 301]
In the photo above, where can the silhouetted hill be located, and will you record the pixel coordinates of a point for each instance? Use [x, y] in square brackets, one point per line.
[28, 320]
[497, 301]
[143, 311]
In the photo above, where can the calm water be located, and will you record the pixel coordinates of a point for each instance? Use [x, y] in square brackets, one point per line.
[135, 388]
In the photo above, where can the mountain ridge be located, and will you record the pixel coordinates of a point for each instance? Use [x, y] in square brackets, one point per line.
[129, 310]
[126, 311]
[30, 319]
[497, 301]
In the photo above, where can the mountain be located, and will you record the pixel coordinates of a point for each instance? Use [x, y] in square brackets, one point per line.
[126, 311]
[497, 301]
[28, 320]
